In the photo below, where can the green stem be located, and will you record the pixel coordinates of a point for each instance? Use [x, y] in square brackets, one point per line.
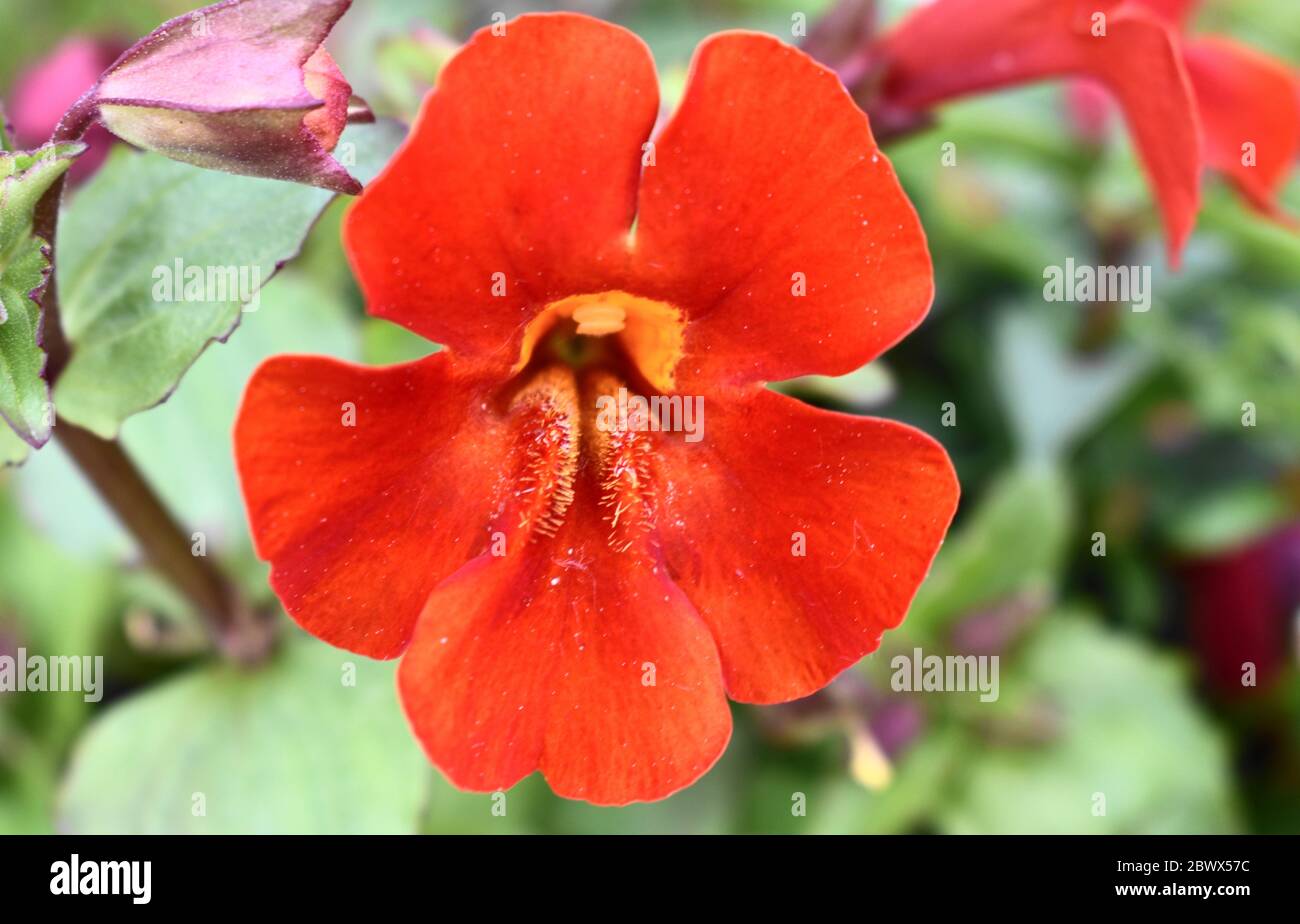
[236, 629]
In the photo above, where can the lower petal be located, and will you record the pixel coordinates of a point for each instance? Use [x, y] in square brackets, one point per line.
[568, 657]
[801, 535]
[516, 187]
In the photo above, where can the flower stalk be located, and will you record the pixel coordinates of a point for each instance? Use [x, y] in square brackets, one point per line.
[236, 629]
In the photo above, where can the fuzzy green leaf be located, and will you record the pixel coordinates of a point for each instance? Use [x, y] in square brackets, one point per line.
[287, 748]
[157, 259]
[24, 394]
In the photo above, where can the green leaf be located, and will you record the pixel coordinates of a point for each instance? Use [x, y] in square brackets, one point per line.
[865, 387]
[1239, 345]
[384, 343]
[1228, 519]
[51, 602]
[183, 447]
[24, 178]
[1053, 397]
[26, 782]
[919, 780]
[1013, 542]
[13, 449]
[1130, 752]
[123, 240]
[519, 811]
[59, 603]
[407, 66]
[24, 395]
[287, 748]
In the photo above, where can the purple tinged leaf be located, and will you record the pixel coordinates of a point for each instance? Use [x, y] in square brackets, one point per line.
[6, 131]
[24, 270]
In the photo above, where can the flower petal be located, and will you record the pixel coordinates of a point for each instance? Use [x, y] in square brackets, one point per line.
[1241, 605]
[520, 176]
[767, 181]
[570, 658]
[1090, 107]
[801, 535]
[325, 81]
[954, 47]
[1246, 97]
[361, 522]
[1175, 12]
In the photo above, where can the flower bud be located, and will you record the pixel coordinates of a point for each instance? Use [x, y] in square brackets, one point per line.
[242, 86]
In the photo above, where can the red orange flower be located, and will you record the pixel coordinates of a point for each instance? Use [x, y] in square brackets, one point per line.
[1189, 101]
[1249, 105]
[568, 596]
[953, 47]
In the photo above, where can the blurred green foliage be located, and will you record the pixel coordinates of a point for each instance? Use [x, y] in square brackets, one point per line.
[1071, 420]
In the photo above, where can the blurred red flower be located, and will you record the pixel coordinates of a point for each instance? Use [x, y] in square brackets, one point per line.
[951, 48]
[568, 596]
[1244, 605]
[1190, 102]
[1249, 105]
[48, 89]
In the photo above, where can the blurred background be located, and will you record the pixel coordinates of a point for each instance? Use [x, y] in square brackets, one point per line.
[1076, 429]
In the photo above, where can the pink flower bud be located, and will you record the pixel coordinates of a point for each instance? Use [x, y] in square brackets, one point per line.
[242, 86]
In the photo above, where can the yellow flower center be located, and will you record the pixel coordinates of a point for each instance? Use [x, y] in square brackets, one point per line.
[648, 334]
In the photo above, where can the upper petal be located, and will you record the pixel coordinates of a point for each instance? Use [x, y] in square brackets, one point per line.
[516, 186]
[1250, 110]
[771, 218]
[953, 47]
[1175, 12]
[365, 488]
[568, 657]
[801, 535]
